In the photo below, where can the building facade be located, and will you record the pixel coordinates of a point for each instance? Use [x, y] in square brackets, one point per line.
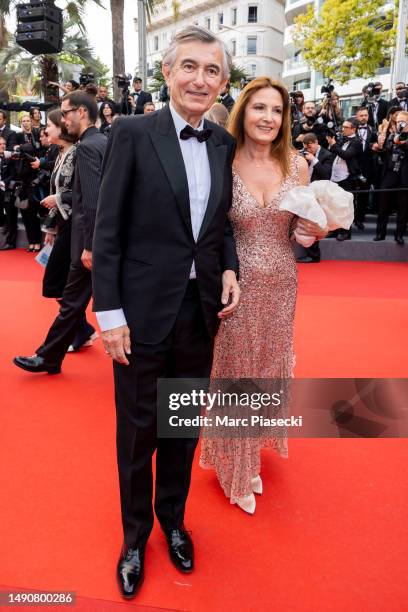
[298, 75]
[253, 31]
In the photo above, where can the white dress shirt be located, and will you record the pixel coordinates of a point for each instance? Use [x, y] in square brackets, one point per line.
[197, 168]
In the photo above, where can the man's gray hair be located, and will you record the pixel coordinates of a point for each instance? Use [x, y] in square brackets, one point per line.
[190, 34]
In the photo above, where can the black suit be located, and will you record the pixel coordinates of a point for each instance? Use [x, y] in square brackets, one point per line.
[382, 110]
[367, 138]
[142, 256]
[141, 98]
[228, 101]
[403, 105]
[322, 170]
[78, 289]
[10, 137]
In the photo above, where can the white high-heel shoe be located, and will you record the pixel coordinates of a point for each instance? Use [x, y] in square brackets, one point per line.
[247, 504]
[257, 485]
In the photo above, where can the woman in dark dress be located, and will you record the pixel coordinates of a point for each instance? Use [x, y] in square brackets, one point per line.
[57, 224]
[106, 113]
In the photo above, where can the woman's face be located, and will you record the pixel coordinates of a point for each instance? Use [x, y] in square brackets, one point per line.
[263, 116]
[68, 86]
[53, 132]
[26, 124]
[107, 111]
[36, 115]
[44, 139]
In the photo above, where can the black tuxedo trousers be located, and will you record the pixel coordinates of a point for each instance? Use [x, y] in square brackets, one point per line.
[185, 353]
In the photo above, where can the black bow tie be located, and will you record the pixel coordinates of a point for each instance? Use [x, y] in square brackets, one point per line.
[363, 127]
[190, 132]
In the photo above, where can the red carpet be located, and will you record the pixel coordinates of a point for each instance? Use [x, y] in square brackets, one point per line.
[330, 530]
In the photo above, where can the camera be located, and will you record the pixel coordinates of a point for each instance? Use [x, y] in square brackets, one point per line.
[372, 92]
[18, 155]
[328, 88]
[86, 78]
[402, 136]
[123, 81]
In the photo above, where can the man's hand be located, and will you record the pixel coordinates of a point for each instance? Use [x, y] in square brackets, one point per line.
[230, 288]
[35, 164]
[331, 140]
[117, 343]
[308, 228]
[49, 238]
[309, 157]
[132, 101]
[86, 259]
[49, 202]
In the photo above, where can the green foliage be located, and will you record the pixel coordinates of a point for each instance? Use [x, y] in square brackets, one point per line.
[348, 39]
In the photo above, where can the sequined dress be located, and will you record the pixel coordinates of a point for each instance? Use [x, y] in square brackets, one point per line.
[257, 341]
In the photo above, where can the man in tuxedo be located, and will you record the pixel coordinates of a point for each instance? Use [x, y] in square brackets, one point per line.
[137, 99]
[346, 165]
[377, 107]
[401, 98]
[226, 99]
[320, 166]
[164, 275]
[79, 111]
[367, 136]
[5, 132]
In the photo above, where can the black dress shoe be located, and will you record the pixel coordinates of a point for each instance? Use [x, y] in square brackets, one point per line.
[181, 549]
[130, 571]
[36, 364]
[378, 238]
[359, 225]
[307, 260]
[399, 240]
[344, 236]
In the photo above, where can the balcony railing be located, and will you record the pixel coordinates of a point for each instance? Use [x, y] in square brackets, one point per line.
[295, 64]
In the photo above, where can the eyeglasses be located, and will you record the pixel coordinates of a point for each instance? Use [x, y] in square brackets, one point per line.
[70, 110]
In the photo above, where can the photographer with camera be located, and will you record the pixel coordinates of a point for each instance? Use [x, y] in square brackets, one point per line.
[309, 124]
[25, 152]
[395, 152]
[6, 197]
[346, 166]
[320, 168]
[368, 137]
[401, 99]
[377, 107]
[297, 101]
[136, 99]
[330, 109]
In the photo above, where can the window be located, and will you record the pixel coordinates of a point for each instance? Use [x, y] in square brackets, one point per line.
[233, 48]
[252, 70]
[208, 23]
[156, 43]
[234, 16]
[304, 84]
[220, 20]
[252, 14]
[251, 45]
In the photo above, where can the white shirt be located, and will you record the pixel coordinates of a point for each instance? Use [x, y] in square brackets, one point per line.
[340, 170]
[197, 167]
[314, 162]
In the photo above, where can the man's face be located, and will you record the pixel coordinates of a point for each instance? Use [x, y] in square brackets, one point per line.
[2, 120]
[399, 89]
[309, 109]
[362, 116]
[71, 118]
[137, 85]
[149, 108]
[103, 92]
[312, 147]
[195, 78]
[348, 130]
[2, 146]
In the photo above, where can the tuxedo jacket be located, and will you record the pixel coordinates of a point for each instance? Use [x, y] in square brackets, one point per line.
[381, 111]
[367, 155]
[228, 101]
[397, 102]
[141, 100]
[143, 245]
[351, 155]
[10, 137]
[85, 188]
[322, 170]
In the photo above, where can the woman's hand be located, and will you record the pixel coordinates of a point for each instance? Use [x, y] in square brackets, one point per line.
[49, 202]
[308, 228]
[49, 239]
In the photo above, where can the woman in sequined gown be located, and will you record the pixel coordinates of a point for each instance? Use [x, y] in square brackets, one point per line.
[257, 342]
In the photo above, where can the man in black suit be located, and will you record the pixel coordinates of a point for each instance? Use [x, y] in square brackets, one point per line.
[346, 166]
[226, 99]
[401, 98]
[377, 107]
[164, 271]
[368, 137]
[137, 99]
[320, 166]
[79, 111]
[5, 132]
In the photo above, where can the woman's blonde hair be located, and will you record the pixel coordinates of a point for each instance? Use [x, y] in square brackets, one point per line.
[281, 147]
[22, 116]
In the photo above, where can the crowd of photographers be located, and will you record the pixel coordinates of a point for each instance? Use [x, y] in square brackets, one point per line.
[366, 154]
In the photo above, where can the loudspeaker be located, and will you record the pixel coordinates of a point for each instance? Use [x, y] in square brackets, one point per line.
[39, 27]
